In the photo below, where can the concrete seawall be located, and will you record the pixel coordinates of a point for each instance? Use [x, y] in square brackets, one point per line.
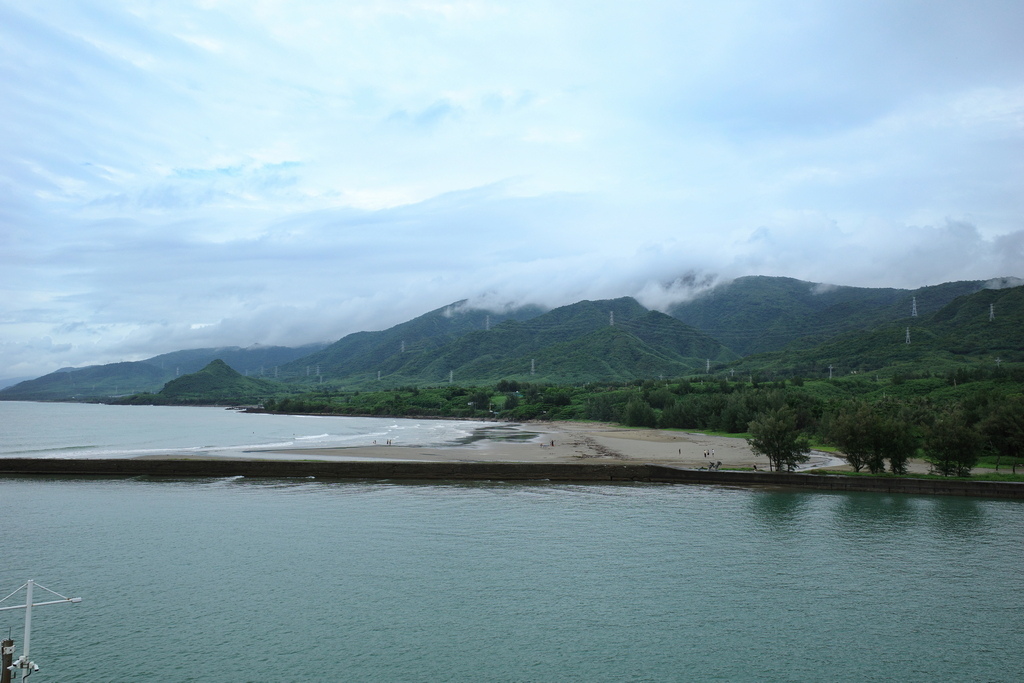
[497, 471]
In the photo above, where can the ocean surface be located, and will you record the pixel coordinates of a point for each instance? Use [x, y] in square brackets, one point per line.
[227, 579]
[83, 430]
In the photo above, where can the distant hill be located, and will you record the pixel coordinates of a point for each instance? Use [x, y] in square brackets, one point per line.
[956, 336]
[252, 361]
[758, 314]
[216, 383]
[11, 381]
[93, 382]
[611, 340]
[98, 382]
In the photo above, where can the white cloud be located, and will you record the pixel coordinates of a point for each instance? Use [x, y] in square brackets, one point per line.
[283, 172]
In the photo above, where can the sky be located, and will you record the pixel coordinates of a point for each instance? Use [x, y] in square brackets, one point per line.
[195, 173]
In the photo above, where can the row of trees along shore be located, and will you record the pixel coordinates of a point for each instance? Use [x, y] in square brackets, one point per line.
[953, 421]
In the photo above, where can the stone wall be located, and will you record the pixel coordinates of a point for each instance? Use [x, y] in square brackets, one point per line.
[496, 471]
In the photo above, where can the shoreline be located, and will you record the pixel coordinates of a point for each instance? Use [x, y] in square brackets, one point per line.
[552, 442]
[568, 442]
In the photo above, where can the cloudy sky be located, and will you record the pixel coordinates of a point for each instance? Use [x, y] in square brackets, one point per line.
[189, 173]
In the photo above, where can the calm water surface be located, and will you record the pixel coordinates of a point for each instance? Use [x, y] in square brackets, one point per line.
[229, 580]
[225, 580]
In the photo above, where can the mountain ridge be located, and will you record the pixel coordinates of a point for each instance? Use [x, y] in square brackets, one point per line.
[613, 339]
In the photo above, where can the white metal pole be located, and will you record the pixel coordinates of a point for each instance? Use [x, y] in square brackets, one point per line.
[23, 662]
[28, 618]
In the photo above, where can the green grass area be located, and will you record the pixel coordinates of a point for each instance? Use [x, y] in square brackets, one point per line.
[989, 462]
[980, 476]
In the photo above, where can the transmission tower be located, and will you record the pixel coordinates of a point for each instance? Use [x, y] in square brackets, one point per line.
[611, 317]
[908, 335]
[913, 307]
[533, 366]
[991, 312]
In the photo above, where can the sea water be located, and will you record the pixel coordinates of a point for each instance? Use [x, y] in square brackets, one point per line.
[82, 430]
[229, 579]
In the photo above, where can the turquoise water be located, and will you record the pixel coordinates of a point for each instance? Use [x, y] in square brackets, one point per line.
[226, 580]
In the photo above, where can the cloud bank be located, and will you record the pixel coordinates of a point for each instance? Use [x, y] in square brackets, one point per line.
[225, 173]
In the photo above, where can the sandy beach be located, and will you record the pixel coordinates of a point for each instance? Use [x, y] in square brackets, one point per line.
[576, 442]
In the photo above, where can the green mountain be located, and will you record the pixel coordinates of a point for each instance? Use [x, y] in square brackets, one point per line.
[118, 379]
[367, 352]
[612, 340]
[758, 314]
[979, 328]
[93, 382]
[252, 361]
[777, 324]
[216, 383]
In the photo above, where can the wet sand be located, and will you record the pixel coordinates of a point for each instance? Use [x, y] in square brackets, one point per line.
[573, 442]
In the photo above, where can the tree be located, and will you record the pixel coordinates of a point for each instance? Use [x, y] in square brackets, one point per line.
[868, 439]
[661, 398]
[639, 414]
[507, 385]
[952, 446]
[1004, 431]
[602, 408]
[851, 432]
[897, 443]
[479, 400]
[775, 434]
[511, 401]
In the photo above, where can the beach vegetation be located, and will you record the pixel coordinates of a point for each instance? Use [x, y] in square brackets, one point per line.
[1003, 429]
[951, 445]
[776, 435]
[639, 413]
[867, 438]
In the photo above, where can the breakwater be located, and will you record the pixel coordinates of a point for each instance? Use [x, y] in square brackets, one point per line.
[497, 471]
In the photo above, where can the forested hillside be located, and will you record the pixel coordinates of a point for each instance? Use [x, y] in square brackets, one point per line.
[216, 384]
[979, 329]
[98, 382]
[366, 353]
[587, 341]
[758, 314]
[766, 326]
